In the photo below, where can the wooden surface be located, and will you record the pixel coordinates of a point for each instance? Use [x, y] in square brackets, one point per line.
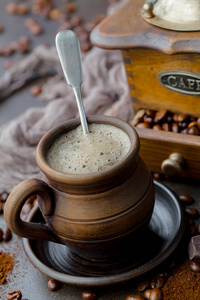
[156, 146]
[127, 29]
[143, 67]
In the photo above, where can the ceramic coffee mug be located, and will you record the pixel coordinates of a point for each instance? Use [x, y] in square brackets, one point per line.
[93, 214]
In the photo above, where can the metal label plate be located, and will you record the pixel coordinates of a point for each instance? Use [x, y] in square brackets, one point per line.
[181, 82]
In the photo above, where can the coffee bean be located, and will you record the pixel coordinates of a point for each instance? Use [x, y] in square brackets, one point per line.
[157, 127]
[89, 295]
[143, 286]
[4, 196]
[166, 127]
[14, 295]
[192, 124]
[186, 199]
[156, 294]
[1, 235]
[76, 21]
[192, 212]
[175, 127]
[11, 8]
[70, 7]
[175, 117]
[36, 90]
[147, 293]
[143, 125]
[182, 117]
[54, 14]
[164, 275]
[194, 266]
[184, 131]
[157, 282]
[150, 113]
[194, 130]
[7, 235]
[22, 9]
[53, 285]
[170, 119]
[135, 297]
[160, 115]
[183, 125]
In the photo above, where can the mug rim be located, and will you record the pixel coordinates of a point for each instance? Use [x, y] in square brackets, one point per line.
[55, 132]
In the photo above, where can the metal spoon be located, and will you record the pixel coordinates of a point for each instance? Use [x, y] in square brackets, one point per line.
[69, 53]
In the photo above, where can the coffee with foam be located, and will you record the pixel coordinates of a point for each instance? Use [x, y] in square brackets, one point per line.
[78, 153]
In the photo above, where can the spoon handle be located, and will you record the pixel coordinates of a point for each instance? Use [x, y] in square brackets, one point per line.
[69, 53]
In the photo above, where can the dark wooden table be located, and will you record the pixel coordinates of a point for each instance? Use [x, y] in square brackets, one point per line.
[26, 277]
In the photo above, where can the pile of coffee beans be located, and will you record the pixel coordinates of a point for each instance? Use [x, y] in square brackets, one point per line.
[167, 121]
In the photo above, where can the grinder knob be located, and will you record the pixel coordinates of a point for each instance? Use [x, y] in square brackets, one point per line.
[173, 165]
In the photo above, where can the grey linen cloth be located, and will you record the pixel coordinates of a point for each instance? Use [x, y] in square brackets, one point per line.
[104, 91]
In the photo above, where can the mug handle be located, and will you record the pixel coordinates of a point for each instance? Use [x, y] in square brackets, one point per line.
[14, 203]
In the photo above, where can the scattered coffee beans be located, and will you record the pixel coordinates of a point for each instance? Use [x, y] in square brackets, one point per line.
[186, 199]
[7, 235]
[53, 285]
[192, 212]
[167, 121]
[89, 295]
[157, 282]
[194, 266]
[14, 295]
[135, 297]
[143, 286]
[154, 294]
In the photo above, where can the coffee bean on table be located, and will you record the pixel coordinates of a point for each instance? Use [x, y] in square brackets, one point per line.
[175, 127]
[194, 130]
[157, 282]
[186, 199]
[53, 285]
[4, 196]
[143, 286]
[155, 294]
[7, 235]
[89, 295]
[147, 293]
[143, 125]
[36, 90]
[192, 212]
[157, 127]
[160, 116]
[194, 266]
[164, 275]
[182, 117]
[14, 295]
[135, 297]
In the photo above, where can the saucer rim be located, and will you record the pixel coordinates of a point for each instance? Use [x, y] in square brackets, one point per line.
[119, 277]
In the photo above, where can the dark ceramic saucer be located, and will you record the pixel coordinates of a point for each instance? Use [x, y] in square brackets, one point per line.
[157, 242]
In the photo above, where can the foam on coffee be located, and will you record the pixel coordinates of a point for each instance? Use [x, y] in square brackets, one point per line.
[78, 153]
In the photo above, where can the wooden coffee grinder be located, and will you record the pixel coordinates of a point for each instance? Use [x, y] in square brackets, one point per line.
[160, 44]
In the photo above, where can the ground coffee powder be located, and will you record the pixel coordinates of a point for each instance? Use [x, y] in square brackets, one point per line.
[6, 266]
[184, 285]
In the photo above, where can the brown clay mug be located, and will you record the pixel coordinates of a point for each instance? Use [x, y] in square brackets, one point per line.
[93, 214]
